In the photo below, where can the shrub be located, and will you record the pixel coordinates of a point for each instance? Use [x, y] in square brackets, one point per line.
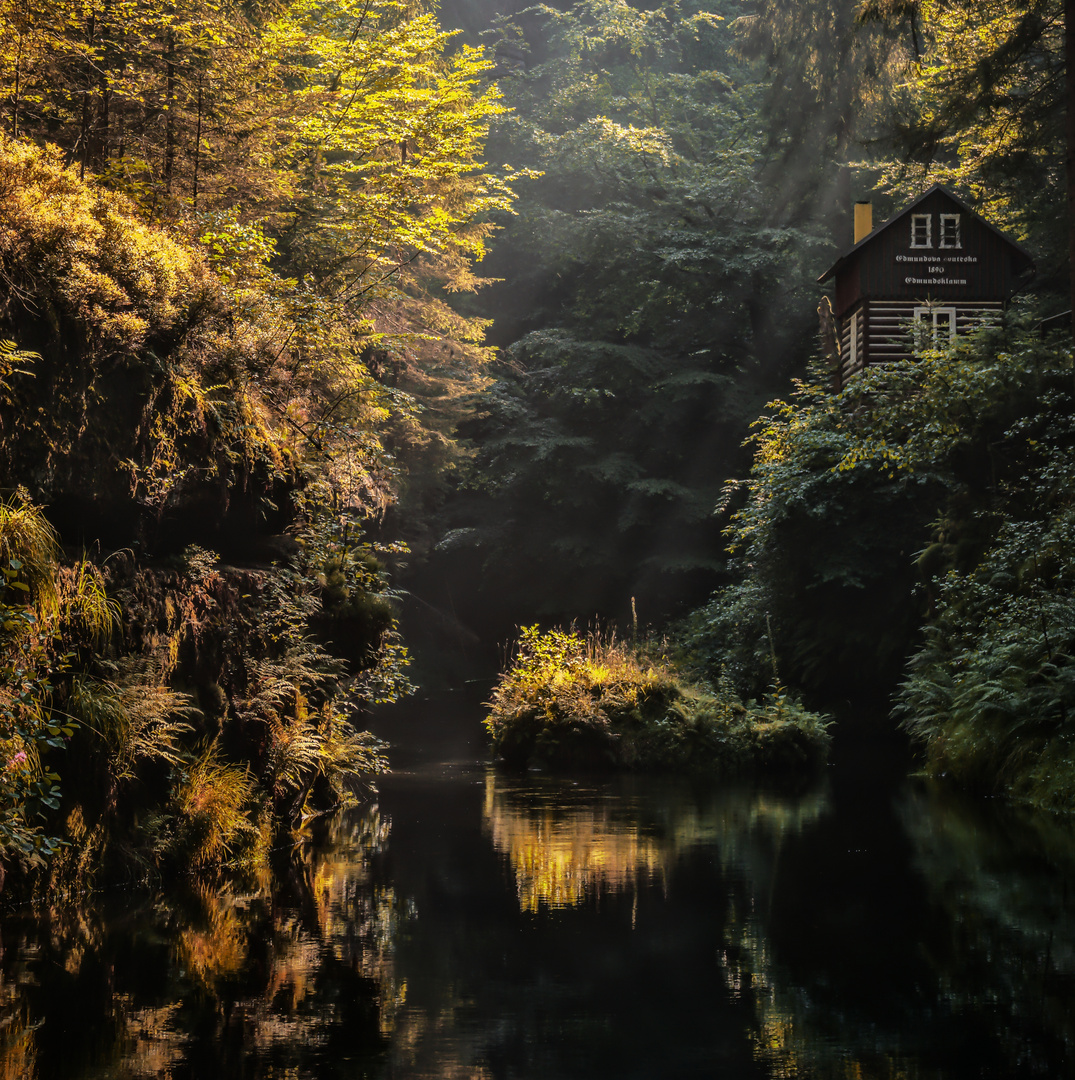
[595, 702]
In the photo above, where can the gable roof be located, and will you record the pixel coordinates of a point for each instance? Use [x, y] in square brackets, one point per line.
[1017, 249]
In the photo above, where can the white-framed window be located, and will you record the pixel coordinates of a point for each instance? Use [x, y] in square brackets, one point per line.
[921, 230]
[951, 236]
[934, 327]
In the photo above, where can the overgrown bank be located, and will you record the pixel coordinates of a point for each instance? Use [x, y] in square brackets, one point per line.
[195, 362]
[925, 512]
[568, 701]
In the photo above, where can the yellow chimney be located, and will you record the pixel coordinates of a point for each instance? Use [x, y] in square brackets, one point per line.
[863, 220]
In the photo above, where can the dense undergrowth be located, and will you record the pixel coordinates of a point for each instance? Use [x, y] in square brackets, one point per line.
[193, 364]
[187, 707]
[912, 536]
[594, 702]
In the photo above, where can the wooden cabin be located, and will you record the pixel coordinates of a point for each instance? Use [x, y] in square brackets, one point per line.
[935, 270]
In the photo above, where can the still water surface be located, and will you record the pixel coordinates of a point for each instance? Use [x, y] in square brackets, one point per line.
[479, 926]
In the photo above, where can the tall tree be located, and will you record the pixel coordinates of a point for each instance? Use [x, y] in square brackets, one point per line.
[829, 72]
[654, 291]
[985, 112]
[328, 156]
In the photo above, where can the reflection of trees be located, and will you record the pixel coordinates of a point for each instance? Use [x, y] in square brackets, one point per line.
[983, 985]
[563, 852]
[643, 918]
[828, 1004]
[600, 959]
[1005, 880]
[565, 844]
[565, 847]
[296, 979]
[18, 1054]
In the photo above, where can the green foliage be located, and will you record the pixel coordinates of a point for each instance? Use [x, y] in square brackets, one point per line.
[990, 691]
[231, 250]
[956, 469]
[29, 545]
[822, 531]
[199, 564]
[984, 112]
[147, 788]
[162, 783]
[655, 288]
[10, 356]
[143, 361]
[593, 702]
[29, 728]
[833, 73]
[651, 217]
[595, 466]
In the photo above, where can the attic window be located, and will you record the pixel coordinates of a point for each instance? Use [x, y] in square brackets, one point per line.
[950, 235]
[922, 230]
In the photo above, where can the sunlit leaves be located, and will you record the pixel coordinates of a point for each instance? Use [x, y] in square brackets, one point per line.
[571, 701]
[983, 110]
[386, 140]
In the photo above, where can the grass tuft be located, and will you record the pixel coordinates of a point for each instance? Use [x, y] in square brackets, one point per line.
[573, 701]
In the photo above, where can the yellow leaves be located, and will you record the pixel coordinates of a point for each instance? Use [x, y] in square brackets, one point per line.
[876, 452]
[26, 538]
[349, 128]
[105, 269]
[382, 105]
[987, 91]
[84, 601]
[212, 799]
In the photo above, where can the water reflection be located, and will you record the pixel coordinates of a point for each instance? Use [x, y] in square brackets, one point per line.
[1005, 881]
[291, 980]
[569, 843]
[489, 927]
[932, 940]
[563, 852]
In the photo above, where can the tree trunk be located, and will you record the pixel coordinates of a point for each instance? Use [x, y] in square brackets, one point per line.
[198, 145]
[15, 94]
[169, 118]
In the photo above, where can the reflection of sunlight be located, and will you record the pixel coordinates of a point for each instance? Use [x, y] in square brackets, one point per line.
[565, 851]
[158, 1047]
[217, 947]
[18, 1047]
[349, 906]
[562, 854]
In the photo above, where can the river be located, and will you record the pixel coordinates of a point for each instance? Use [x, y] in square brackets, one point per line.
[473, 925]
